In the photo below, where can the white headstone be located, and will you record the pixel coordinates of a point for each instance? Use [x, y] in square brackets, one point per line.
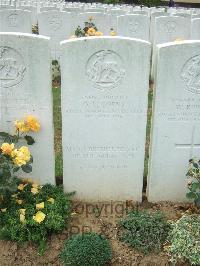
[104, 106]
[15, 21]
[25, 89]
[176, 120]
[133, 26]
[57, 26]
[169, 29]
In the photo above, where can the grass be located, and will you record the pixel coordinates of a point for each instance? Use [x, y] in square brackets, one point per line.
[58, 134]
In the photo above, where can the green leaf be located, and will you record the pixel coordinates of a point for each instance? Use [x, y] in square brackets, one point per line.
[29, 140]
[27, 168]
[4, 134]
[190, 195]
[195, 186]
[16, 169]
[195, 165]
[14, 139]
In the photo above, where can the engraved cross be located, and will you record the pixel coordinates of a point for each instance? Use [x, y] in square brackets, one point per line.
[190, 145]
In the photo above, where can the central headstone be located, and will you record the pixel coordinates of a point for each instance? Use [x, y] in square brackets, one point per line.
[104, 107]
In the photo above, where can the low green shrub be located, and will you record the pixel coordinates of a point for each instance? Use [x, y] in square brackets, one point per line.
[144, 231]
[33, 212]
[193, 175]
[89, 249]
[185, 240]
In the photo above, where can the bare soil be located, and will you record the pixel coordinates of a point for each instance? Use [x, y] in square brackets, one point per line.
[101, 217]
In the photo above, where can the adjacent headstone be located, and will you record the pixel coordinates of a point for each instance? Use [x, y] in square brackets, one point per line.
[12, 20]
[169, 29]
[176, 120]
[104, 107]
[133, 26]
[25, 89]
[56, 25]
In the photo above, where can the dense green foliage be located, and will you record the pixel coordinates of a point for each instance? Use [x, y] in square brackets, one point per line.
[185, 239]
[89, 249]
[144, 231]
[33, 212]
[193, 175]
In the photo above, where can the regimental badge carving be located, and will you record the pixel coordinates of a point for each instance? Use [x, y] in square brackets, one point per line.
[105, 69]
[133, 26]
[170, 27]
[55, 22]
[12, 68]
[12, 20]
[190, 74]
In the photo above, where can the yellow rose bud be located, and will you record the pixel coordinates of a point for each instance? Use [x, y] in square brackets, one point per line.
[4, 210]
[40, 206]
[21, 186]
[39, 217]
[7, 148]
[22, 211]
[34, 190]
[22, 218]
[19, 201]
[51, 200]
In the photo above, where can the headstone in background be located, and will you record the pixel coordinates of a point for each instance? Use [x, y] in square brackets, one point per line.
[133, 26]
[12, 20]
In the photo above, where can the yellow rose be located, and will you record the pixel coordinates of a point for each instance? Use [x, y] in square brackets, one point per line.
[40, 206]
[34, 190]
[7, 148]
[51, 200]
[91, 32]
[98, 33]
[21, 156]
[39, 217]
[33, 123]
[3, 210]
[19, 201]
[22, 218]
[35, 185]
[21, 186]
[22, 126]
